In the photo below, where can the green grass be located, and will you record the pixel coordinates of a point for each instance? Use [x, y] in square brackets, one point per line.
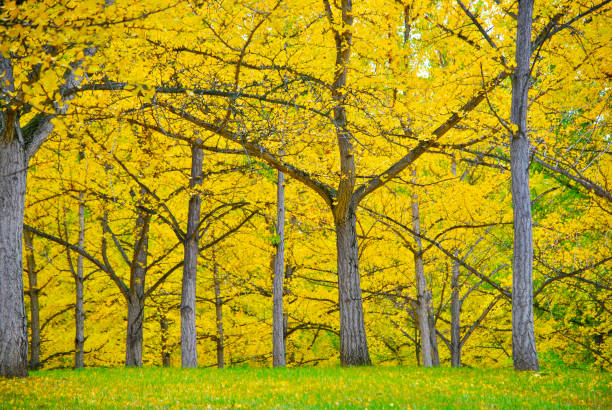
[373, 387]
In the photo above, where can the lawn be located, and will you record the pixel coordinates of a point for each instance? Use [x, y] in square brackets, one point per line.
[372, 387]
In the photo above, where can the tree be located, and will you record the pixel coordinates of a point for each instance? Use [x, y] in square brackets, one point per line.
[137, 292]
[33, 291]
[16, 149]
[278, 320]
[429, 346]
[36, 73]
[78, 275]
[218, 311]
[189, 355]
[524, 352]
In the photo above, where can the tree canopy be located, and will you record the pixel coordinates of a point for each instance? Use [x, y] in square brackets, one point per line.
[145, 126]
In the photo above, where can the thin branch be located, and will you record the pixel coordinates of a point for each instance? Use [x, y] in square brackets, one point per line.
[121, 86]
[423, 145]
[563, 275]
[324, 190]
[228, 233]
[67, 245]
[477, 24]
[586, 183]
[118, 245]
[504, 292]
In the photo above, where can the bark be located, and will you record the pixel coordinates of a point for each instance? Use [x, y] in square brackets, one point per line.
[133, 349]
[433, 337]
[136, 295]
[13, 172]
[16, 149]
[163, 327]
[218, 313]
[423, 295]
[524, 352]
[417, 346]
[189, 355]
[13, 325]
[353, 342]
[34, 362]
[278, 327]
[455, 342]
[79, 311]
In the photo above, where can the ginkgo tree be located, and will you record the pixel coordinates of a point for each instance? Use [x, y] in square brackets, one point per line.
[43, 46]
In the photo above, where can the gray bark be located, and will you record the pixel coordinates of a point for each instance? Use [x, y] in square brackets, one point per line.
[433, 336]
[133, 342]
[524, 352]
[417, 346]
[13, 326]
[79, 311]
[353, 342]
[13, 172]
[423, 295]
[77, 275]
[17, 146]
[189, 355]
[218, 313]
[455, 338]
[136, 294]
[278, 327]
[455, 342]
[165, 351]
[34, 361]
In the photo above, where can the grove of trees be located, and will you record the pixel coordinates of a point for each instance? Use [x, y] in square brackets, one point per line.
[272, 182]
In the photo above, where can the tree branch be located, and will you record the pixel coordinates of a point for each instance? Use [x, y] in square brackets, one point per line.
[325, 191]
[480, 319]
[380, 180]
[563, 275]
[486, 279]
[586, 183]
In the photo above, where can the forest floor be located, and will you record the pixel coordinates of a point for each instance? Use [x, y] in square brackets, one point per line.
[372, 387]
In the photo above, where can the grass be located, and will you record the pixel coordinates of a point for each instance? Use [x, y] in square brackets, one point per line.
[373, 387]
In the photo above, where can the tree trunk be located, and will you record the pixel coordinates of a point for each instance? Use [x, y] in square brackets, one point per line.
[218, 313]
[433, 337]
[163, 327]
[455, 342]
[524, 352]
[136, 299]
[13, 325]
[34, 362]
[15, 154]
[278, 327]
[417, 345]
[13, 173]
[353, 342]
[189, 354]
[423, 295]
[133, 349]
[79, 311]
